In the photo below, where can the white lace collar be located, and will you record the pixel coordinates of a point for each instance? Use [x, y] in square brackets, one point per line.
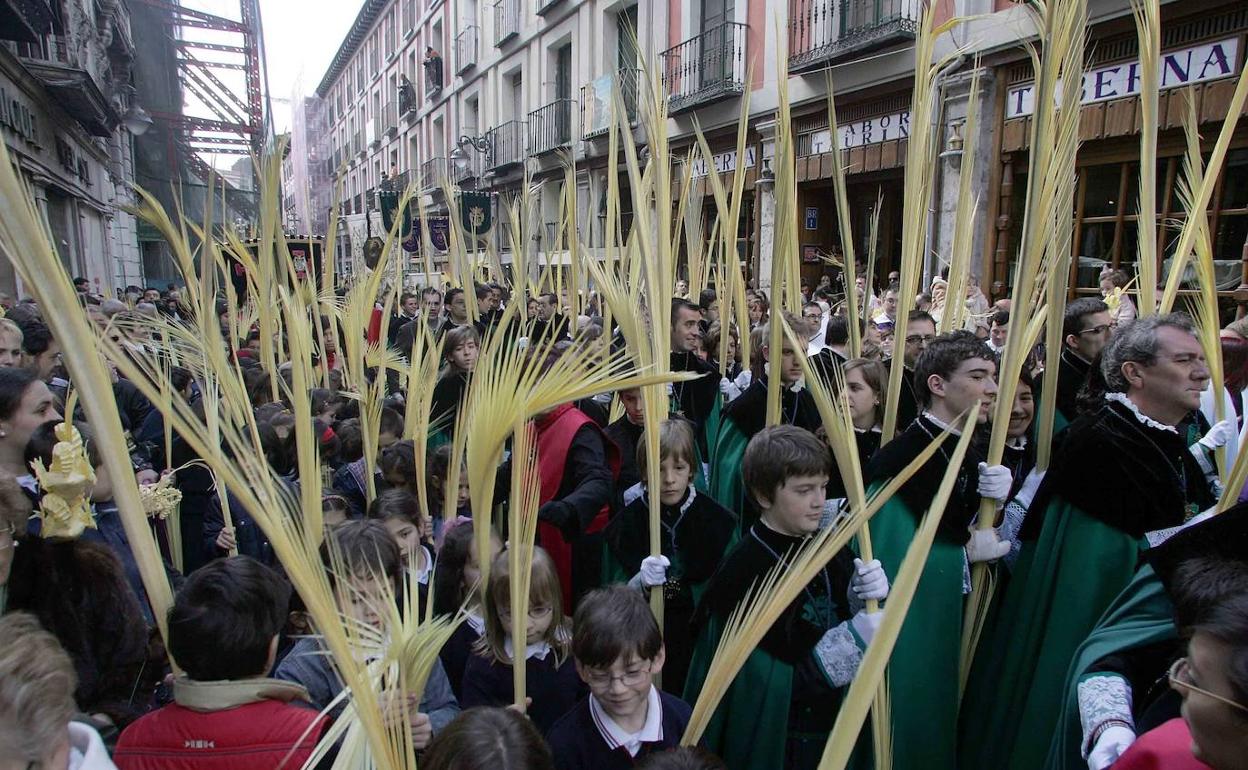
[939, 423]
[1122, 398]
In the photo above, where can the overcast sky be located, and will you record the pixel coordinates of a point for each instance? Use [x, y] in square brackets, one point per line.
[300, 40]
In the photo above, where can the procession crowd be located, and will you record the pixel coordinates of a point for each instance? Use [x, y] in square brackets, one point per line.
[1118, 633]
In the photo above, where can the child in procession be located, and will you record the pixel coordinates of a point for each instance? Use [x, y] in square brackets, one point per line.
[552, 684]
[456, 584]
[696, 532]
[368, 554]
[619, 652]
[782, 705]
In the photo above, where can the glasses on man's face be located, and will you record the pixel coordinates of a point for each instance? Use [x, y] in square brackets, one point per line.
[1102, 329]
[603, 679]
[919, 339]
[1181, 676]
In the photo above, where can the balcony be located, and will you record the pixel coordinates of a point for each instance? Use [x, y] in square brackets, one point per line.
[705, 69]
[544, 6]
[870, 24]
[507, 144]
[506, 20]
[359, 143]
[59, 65]
[397, 183]
[434, 174]
[824, 31]
[25, 21]
[433, 76]
[597, 97]
[379, 130]
[391, 118]
[466, 49]
[550, 127]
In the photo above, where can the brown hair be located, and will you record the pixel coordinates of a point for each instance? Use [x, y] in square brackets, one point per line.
[712, 340]
[613, 623]
[779, 453]
[15, 507]
[37, 683]
[485, 738]
[676, 441]
[453, 338]
[544, 591]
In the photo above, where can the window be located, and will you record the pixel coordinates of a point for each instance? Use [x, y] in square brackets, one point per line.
[1106, 225]
[563, 72]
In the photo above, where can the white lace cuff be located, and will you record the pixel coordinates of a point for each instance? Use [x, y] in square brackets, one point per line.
[1015, 514]
[838, 654]
[1102, 697]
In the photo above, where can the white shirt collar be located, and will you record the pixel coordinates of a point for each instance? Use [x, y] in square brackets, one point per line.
[476, 623]
[422, 575]
[537, 650]
[1018, 442]
[1125, 400]
[616, 736]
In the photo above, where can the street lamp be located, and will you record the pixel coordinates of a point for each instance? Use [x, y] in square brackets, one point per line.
[460, 157]
[136, 120]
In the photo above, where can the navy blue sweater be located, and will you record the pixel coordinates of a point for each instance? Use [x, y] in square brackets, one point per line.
[554, 691]
[577, 745]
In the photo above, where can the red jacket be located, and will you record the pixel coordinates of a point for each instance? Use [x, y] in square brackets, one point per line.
[240, 725]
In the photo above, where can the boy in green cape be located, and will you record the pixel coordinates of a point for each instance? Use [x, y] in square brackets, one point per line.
[951, 374]
[783, 703]
[746, 415]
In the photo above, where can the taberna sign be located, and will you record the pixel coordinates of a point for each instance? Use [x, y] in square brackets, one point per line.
[1182, 67]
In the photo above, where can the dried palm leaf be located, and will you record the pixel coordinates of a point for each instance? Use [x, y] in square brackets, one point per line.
[26, 243]
[871, 670]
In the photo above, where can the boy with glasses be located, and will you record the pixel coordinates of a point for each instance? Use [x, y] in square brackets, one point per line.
[619, 651]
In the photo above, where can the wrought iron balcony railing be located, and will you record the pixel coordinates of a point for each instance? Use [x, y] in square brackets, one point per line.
[550, 127]
[434, 173]
[507, 144]
[506, 20]
[822, 31]
[706, 68]
[597, 97]
[466, 49]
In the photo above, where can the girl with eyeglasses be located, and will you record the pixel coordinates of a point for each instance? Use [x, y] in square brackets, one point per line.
[552, 684]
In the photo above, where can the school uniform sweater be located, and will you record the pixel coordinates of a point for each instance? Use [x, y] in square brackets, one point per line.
[581, 741]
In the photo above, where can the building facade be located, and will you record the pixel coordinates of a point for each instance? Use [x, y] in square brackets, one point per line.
[493, 95]
[66, 97]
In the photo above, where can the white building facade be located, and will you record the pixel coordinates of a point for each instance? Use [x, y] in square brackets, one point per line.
[65, 75]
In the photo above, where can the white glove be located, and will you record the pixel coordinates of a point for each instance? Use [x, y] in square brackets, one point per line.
[1031, 484]
[865, 624]
[728, 389]
[985, 545]
[1112, 744]
[653, 572]
[869, 581]
[744, 379]
[994, 481]
[1218, 435]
